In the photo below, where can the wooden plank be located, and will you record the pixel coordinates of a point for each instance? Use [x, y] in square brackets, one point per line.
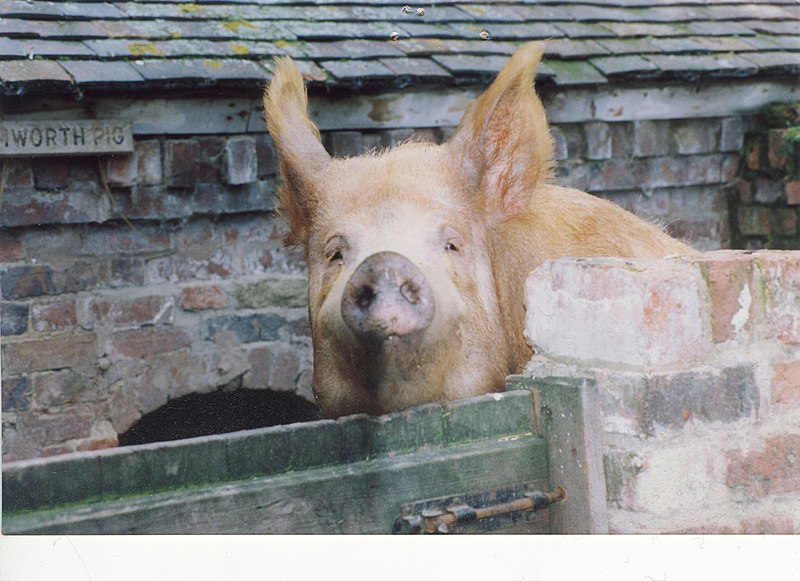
[568, 417]
[361, 497]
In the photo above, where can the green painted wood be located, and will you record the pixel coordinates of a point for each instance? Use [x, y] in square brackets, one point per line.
[358, 497]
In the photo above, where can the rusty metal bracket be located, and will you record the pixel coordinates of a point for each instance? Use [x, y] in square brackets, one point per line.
[441, 515]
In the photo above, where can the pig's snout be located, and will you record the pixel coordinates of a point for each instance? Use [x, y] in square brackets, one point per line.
[387, 296]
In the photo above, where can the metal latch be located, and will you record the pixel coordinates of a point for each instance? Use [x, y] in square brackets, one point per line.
[441, 515]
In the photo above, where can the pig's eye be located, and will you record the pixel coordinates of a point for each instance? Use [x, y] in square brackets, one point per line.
[334, 250]
[451, 247]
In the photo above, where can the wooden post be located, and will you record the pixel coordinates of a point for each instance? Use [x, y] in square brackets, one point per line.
[567, 415]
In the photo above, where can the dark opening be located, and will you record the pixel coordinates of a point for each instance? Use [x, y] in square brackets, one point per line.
[219, 412]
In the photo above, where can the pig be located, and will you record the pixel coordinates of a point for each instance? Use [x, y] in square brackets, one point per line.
[417, 255]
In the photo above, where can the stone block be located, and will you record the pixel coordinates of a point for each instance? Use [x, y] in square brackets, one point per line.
[13, 319]
[651, 138]
[59, 388]
[575, 307]
[241, 162]
[17, 393]
[54, 316]
[246, 328]
[786, 383]
[148, 162]
[78, 350]
[598, 140]
[120, 312]
[200, 297]
[697, 136]
[290, 292]
[147, 342]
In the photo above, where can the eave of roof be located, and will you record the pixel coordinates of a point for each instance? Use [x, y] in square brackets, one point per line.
[86, 45]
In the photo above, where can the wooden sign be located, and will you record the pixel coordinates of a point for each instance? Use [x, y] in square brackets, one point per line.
[23, 138]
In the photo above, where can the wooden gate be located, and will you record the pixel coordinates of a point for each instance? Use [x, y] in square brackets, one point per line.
[434, 468]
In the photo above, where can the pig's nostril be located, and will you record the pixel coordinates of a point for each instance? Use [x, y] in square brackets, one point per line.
[410, 292]
[365, 296]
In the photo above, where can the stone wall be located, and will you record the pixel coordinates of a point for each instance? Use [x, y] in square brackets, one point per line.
[131, 280]
[697, 363]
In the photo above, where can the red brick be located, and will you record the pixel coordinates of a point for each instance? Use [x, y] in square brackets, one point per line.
[726, 277]
[792, 190]
[51, 353]
[51, 173]
[776, 154]
[37, 208]
[58, 388]
[121, 312]
[54, 316]
[202, 297]
[785, 221]
[101, 444]
[10, 248]
[19, 173]
[125, 240]
[755, 153]
[147, 342]
[26, 280]
[770, 471]
[122, 170]
[44, 429]
[786, 383]
[182, 163]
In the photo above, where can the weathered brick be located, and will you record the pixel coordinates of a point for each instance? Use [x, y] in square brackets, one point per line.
[241, 164]
[70, 423]
[772, 470]
[672, 399]
[768, 190]
[729, 279]
[122, 169]
[274, 292]
[202, 296]
[247, 328]
[181, 163]
[17, 393]
[13, 319]
[114, 240]
[126, 272]
[697, 136]
[19, 173]
[731, 134]
[786, 383]
[82, 275]
[54, 316]
[209, 164]
[26, 281]
[72, 206]
[10, 248]
[660, 301]
[651, 138]
[784, 221]
[148, 162]
[777, 154]
[755, 153]
[665, 172]
[265, 155]
[792, 191]
[79, 350]
[560, 152]
[122, 312]
[58, 388]
[598, 140]
[344, 143]
[148, 341]
[50, 173]
[753, 220]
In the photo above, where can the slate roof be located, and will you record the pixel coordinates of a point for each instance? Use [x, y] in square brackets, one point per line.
[84, 45]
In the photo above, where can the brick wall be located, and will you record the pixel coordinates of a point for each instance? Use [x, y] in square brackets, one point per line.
[697, 362]
[131, 280]
[765, 199]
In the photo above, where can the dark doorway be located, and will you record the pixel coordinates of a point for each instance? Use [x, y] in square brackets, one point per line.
[219, 412]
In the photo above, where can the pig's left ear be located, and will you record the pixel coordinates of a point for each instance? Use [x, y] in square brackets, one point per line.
[502, 146]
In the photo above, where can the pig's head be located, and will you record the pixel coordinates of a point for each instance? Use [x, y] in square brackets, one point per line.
[402, 291]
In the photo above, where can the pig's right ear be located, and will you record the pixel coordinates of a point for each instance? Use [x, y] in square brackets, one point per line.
[300, 153]
[502, 149]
